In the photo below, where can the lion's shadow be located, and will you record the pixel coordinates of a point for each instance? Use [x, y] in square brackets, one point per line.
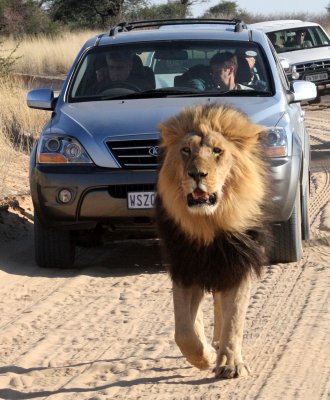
[170, 376]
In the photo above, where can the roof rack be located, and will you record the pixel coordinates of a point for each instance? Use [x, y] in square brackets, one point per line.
[239, 25]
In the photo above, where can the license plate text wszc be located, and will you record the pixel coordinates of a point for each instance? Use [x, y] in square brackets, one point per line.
[136, 200]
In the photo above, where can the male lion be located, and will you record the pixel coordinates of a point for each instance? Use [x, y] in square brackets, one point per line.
[210, 214]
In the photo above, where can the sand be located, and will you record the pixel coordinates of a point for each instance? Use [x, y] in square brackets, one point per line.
[104, 329]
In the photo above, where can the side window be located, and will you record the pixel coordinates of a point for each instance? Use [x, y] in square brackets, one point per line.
[320, 37]
[281, 73]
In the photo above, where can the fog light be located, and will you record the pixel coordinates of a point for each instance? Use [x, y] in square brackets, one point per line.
[65, 196]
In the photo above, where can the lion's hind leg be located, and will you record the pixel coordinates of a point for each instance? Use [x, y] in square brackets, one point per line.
[189, 327]
[233, 304]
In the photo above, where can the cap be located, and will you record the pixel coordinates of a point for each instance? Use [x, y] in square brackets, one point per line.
[251, 53]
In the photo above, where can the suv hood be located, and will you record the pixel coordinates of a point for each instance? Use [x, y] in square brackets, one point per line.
[93, 123]
[307, 55]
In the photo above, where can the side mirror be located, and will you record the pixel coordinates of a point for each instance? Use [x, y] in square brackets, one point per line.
[285, 63]
[303, 91]
[42, 99]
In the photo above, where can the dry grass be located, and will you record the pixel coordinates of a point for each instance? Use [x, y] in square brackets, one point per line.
[43, 55]
[20, 125]
[16, 119]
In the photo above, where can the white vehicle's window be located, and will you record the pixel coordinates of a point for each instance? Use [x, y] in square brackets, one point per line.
[298, 38]
[171, 69]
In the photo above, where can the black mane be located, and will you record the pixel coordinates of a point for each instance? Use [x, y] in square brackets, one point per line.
[218, 266]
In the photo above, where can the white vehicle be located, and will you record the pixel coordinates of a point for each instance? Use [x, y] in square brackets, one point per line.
[305, 45]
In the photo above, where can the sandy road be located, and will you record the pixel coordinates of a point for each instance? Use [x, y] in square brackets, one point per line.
[104, 330]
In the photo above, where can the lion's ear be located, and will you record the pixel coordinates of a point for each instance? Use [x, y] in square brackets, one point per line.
[249, 136]
[168, 135]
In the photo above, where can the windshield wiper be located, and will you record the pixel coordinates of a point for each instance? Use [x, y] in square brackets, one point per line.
[176, 92]
[239, 93]
[154, 93]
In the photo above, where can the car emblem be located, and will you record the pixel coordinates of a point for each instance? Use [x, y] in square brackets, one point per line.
[314, 66]
[154, 151]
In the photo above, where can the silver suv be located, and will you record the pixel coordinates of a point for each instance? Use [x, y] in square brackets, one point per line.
[305, 45]
[94, 168]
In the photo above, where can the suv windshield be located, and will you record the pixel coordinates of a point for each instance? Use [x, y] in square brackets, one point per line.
[160, 69]
[298, 38]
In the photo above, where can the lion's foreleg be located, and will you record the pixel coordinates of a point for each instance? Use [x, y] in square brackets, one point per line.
[189, 326]
[234, 303]
[217, 319]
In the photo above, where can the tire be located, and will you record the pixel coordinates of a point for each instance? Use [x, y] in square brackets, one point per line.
[53, 248]
[305, 226]
[317, 100]
[288, 237]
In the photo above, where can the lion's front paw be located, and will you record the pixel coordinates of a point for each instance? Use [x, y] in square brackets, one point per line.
[204, 361]
[231, 371]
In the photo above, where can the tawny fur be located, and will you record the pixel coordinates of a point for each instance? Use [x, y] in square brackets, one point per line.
[244, 190]
[213, 152]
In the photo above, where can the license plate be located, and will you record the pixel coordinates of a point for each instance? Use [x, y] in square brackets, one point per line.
[317, 77]
[140, 200]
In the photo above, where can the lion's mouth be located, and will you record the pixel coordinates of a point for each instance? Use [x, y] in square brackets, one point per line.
[200, 198]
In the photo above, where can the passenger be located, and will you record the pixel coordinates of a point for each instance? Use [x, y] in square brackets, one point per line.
[250, 57]
[273, 39]
[299, 40]
[220, 75]
[223, 68]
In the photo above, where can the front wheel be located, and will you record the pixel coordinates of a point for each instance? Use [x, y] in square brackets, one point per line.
[53, 248]
[288, 237]
[317, 100]
[305, 226]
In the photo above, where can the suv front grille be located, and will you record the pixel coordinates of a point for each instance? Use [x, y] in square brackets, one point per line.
[313, 66]
[132, 154]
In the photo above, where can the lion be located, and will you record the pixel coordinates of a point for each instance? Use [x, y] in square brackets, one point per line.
[212, 189]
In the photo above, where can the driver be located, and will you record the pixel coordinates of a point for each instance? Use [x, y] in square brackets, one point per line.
[120, 66]
[115, 72]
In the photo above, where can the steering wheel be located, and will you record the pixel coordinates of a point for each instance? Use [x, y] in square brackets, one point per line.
[125, 85]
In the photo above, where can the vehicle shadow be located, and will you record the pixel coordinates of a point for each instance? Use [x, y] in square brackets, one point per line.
[131, 256]
[120, 258]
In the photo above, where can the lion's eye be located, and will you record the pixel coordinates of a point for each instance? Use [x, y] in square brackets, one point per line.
[217, 150]
[185, 151]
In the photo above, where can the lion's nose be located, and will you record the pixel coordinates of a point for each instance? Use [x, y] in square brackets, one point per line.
[197, 175]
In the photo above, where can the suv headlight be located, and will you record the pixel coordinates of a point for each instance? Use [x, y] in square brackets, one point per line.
[275, 142]
[60, 149]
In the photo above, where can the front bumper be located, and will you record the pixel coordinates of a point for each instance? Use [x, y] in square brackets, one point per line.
[100, 194]
[320, 77]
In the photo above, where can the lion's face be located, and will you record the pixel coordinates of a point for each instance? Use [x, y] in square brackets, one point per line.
[212, 175]
[206, 163]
